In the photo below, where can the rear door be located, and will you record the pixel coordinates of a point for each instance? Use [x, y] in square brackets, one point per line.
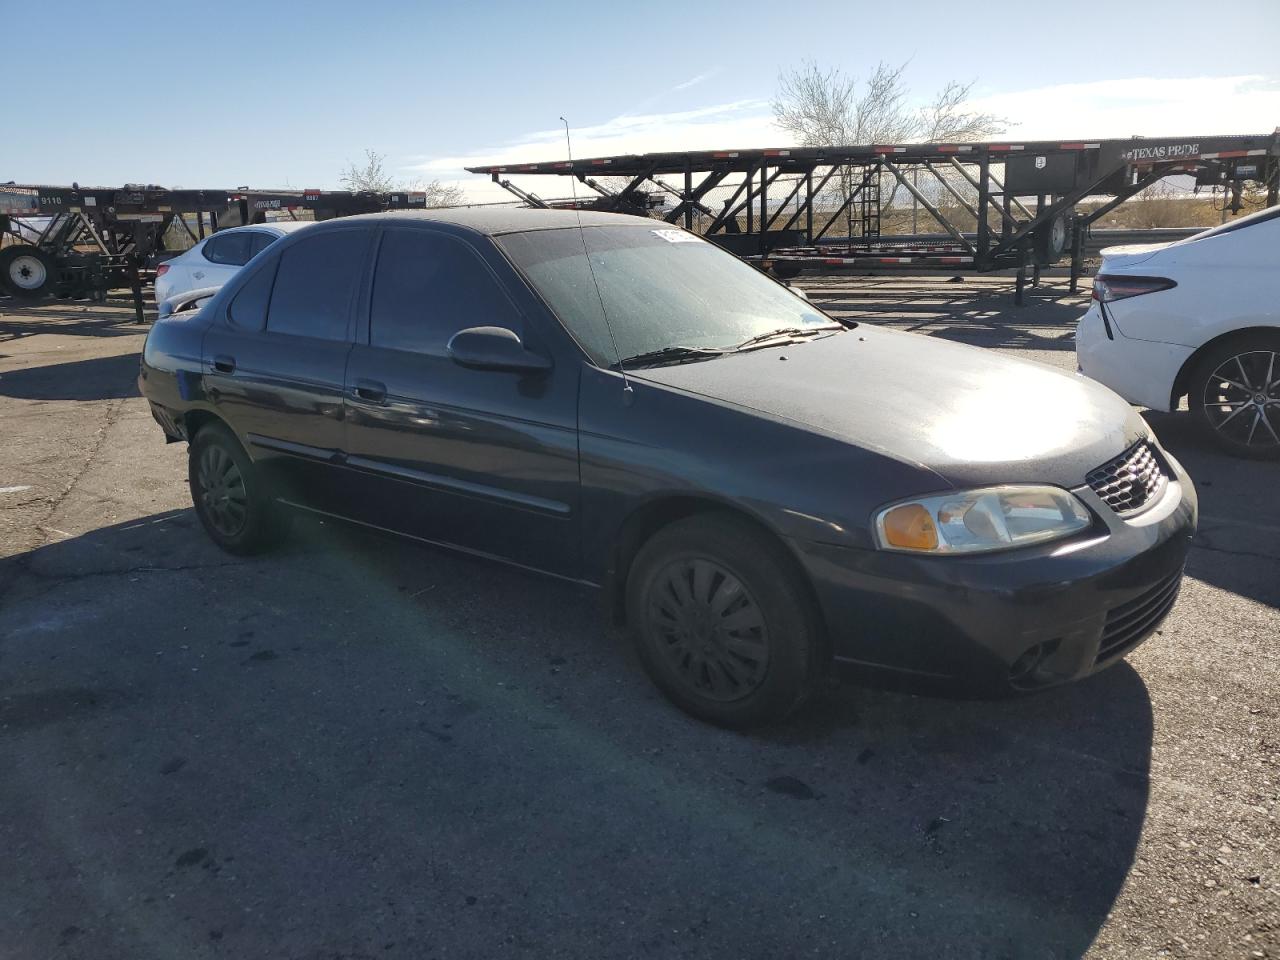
[481, 459]
[275, 364]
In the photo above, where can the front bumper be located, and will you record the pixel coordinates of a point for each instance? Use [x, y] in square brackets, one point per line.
[1141, 371]
[999, 622]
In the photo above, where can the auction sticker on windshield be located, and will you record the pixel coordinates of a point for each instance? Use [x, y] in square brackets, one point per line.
[676, 236]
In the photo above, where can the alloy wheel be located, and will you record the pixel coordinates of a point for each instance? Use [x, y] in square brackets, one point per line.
[223, 495]
[1242, 399]
[708, 628]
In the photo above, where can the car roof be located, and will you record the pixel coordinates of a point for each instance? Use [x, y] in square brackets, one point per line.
[493, 221]
[277, 226]
[1260, 216]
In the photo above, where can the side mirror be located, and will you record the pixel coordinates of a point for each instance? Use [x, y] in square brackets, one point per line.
[799, 292]
[494, 348]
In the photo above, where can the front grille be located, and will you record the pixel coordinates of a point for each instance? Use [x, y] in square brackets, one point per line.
[1129, 482]
[1133, 621]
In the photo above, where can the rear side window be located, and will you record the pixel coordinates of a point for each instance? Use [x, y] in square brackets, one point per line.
[249, 306]
[427, 287]
[231, 249]
[259, 242]
[315, 282]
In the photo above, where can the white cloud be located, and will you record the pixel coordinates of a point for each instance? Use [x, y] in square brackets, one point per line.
[742, 123]
[1140, 106]
[694, 81]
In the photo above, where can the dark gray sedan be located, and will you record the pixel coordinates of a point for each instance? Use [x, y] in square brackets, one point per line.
[764, 494]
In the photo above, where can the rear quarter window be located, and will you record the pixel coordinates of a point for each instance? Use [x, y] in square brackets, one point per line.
[248, 309]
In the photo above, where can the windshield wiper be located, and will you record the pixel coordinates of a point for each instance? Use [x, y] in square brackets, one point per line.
[651, 358]
[787, 333]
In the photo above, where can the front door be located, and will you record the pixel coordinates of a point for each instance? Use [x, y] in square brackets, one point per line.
[480, 459]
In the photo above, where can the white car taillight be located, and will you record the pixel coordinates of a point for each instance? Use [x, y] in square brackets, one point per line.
[1110, 287]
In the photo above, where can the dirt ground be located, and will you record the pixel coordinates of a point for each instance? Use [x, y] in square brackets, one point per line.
[356, 747]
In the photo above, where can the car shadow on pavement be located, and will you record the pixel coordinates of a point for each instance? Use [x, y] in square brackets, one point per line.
[1237, 545]
[97, 378]
[114, 318]
[388, 749]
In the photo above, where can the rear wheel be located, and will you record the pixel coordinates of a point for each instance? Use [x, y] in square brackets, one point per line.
[230, 495]
[27, 272]
[1235, 393]
[722, 623]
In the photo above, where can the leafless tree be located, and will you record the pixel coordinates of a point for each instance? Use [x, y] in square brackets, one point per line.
[373, 176]
[827, 107]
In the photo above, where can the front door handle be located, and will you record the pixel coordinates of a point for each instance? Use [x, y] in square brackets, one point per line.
[224, 364]
[371, 391]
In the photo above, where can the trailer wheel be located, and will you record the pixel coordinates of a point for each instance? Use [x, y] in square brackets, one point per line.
[786, 271]
[1051, 240]
[26, 272]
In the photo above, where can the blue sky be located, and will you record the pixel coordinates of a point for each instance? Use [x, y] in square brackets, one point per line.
[274, 94]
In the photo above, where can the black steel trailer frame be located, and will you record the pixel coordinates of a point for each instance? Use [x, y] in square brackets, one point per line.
[94, 239]
[789, 233]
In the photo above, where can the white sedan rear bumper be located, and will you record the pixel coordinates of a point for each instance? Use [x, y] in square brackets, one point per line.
[1141, 371]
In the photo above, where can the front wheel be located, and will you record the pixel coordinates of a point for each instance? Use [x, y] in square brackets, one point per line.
[722, 622]
[230, 495]
[1235, 393]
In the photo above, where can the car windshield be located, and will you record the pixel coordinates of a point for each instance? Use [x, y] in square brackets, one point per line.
[661, 288]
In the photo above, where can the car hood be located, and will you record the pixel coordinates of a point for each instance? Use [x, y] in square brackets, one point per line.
[972, 416]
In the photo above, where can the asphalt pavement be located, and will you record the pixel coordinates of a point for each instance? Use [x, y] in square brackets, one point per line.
[356, 747]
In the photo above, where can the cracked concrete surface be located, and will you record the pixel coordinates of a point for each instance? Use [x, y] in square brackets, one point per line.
[355, 747]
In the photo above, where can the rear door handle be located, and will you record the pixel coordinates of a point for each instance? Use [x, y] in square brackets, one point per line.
[224, 364]
[371, 391]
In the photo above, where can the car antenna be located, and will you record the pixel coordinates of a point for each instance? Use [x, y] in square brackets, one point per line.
[628, 393]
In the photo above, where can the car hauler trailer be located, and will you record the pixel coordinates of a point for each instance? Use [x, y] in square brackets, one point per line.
[79, 242]
[784, 207]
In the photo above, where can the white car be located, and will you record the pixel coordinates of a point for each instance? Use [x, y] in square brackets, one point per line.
[216, 259]
[1198, 318]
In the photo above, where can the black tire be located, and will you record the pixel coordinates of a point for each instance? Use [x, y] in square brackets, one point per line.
[230, 494]
[1051, 240]
[740, 643]
[27, 273]
[1234, 392]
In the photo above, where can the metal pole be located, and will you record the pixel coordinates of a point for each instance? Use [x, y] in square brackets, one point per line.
[1077, 253]
[764, 210]
[984, 198]
[808, 206]
[974, 183]
[916, 196]
[915, 199]
[688, 194]
[955, 194]
[1021, 283]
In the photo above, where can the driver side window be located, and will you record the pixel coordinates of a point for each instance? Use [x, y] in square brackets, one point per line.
[426, 287]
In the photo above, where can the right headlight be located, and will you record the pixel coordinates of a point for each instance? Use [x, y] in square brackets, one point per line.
[973, 521]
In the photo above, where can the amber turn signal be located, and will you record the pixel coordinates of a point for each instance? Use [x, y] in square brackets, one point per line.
[910, 527]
